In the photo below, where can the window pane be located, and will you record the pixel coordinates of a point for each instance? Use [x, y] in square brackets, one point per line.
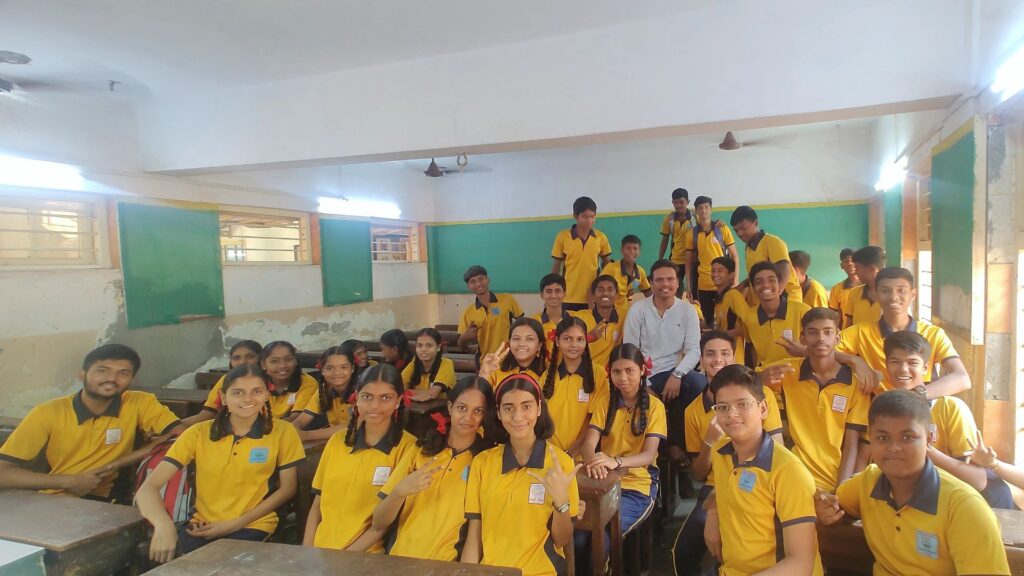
[263, 238]
[37, 231]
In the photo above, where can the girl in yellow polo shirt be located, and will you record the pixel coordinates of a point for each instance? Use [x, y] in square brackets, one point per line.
[573, 385]
[429, 502]
[357, 463]
[524, 353]
[329, 410]
[238, 455]
[290, 389]
[242, 352]
[394, 349]
[429, 374]
[358, 351]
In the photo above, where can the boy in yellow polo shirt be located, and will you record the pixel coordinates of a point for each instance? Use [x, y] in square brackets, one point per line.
[88, 436]
[730, 304]
[604, 319]
[895, 290]
[861, 303]
[761, 511]
[675, 227]
[630, 277]
[773, 326]
[953, 433]
[552, 294]
[488, 319]
[813, 292]
[709, 239]
[764, 247]
[579, 248]
[838, 292]
[918, 519]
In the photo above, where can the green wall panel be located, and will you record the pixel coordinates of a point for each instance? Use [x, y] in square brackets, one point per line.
[894, 225]
[345, 261]
[953, 214]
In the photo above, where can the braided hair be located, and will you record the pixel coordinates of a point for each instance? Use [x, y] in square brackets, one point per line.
[539, 363]
[586, 369]
[434, 442]
[352, 346]
[638, 425]
[296, 378]
[327, 391]
[222, 420]
[390, 375]
[395, 338]
[417, 368]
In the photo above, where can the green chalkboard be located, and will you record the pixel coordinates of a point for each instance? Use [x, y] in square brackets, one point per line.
[345, 261]
[953, 214]
[517, 253]
[171, 262]
[894, 225]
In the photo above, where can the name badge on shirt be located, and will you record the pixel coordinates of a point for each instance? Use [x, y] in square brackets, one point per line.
[291, 399]
[747, 481]
[787, 334]
[536, 494]
[615, 335]
[636, 284]
[496, 311]
[583, 396]
[380, 475]
[465, 474]
[839, 403]
[113, 436]
[259, 455]
[927, 545]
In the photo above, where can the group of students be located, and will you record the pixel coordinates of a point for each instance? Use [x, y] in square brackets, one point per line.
[870, 431]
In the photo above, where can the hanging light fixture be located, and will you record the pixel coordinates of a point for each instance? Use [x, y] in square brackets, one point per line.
[730, 142]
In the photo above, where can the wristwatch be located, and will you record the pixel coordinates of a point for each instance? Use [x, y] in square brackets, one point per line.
[678, 373]
[563, 508]
[618, 462]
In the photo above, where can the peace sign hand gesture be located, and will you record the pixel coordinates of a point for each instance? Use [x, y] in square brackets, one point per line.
[984, 455]
[491, 363]
[556, 482]
[419, 480]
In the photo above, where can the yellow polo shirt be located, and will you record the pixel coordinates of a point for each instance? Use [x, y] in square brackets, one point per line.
[866, 339]
[837, 295]
[707, 249]
[698, 415]
[858, 307]
[676, 228]
[620, 440]
[763, 332]
[498, 375]
[493, 321]
[339, 412]
[582, 258]
[282, 403]
[769, 247]
[549, 325]
[601, 348]
[729, 310]
[515, 511]
[348, 480]
[629, 281]
[570, 404]
[946, 528]
[432, 523]
[75, 440]
[814, 295]
[445, 375]
[819, 415]
[756, 501]
[234, 474]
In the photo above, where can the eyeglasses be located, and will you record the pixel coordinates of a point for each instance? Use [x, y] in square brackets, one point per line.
[740, 407]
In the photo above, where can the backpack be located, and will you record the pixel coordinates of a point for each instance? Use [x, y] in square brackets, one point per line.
[716, 226]
[179, 493]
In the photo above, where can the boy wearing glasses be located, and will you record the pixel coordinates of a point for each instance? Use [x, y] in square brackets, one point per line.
[763, 498]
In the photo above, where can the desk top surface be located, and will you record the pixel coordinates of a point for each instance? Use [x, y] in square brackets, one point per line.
[58, 522]
[179, 394]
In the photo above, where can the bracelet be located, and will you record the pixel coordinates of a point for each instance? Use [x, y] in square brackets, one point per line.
[994, 466]
[706, 443]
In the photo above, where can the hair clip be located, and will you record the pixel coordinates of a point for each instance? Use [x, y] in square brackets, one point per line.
[442, 422]
[552, 335]
[407, 397]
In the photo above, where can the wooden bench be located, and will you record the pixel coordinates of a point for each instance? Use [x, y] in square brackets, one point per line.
[303, 499]
[446, 327]
[81, 537]
[207, 380]
[184, 402]
[265, 559]
[602, 498]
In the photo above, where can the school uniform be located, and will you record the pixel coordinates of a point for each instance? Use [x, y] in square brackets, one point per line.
[819, 415]
[347, 481]
[601, 348]
[570, 404]
[859, 307]
[445, 377]
[729, 309]
[74, 440]
[234, 473]
[432, 523]
[945, 528]
[866, 339]
[514, 509]
[628, 281]
[756, 501]
[282, 402]
[498, 375]
[769, 247]
[581, 257]
[492, 321]
[338, 413]
[814, 294]
[706, 246]
[549, 323]
[677, 228]
[837, 295]
[764, 331]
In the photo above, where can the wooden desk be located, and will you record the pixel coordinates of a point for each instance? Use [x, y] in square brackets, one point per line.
[602, 499]
[207, 380]
[81, 537]
[1011, 522]
[7, 426]
[238, 558]
[303, 500]
[184, 402]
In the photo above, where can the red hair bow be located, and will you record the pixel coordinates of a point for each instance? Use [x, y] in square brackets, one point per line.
[442, 422]
[351, 398]
[552, 335]
[407, 397]
[319, 365]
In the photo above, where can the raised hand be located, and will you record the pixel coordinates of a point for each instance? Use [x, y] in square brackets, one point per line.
[714, 433]
[773, 376]
[984, 455]
[419, 480]
[555, 481]
[826, 506]
[491, 363]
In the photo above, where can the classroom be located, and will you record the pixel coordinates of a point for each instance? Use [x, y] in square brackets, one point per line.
[542, 288]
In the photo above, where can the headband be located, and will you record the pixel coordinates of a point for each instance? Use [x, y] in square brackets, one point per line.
[520, 376]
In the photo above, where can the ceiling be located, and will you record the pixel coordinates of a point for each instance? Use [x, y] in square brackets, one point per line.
[154, 47]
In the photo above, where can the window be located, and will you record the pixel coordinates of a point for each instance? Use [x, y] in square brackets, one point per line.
[395, 243]
[924, 251]
[263, 238]
[48, 232]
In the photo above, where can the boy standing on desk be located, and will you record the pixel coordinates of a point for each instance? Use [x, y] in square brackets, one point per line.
[708, 240]
[487, 321]
[629, 276]
[764, 247]
[579, 248]
[89, 435]
[674, 229]
[837, 295]
[861, 303]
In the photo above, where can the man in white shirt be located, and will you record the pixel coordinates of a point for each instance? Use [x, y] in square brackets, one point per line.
[667, 330]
